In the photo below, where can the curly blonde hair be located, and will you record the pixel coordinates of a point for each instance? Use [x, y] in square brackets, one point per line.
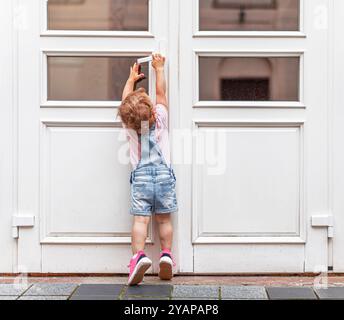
[135, 108]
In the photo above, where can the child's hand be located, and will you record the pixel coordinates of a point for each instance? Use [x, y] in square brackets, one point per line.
[158, 61]
[135, 74]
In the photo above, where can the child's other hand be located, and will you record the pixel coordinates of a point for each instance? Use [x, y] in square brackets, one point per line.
[135, 74]
[158, 61]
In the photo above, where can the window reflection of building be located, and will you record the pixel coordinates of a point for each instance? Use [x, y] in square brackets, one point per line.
[253, 15]
[89, 78]
[261, 78]
[115, 15]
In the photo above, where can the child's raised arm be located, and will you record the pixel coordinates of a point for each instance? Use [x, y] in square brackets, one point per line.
[133, 78]
[158, 64]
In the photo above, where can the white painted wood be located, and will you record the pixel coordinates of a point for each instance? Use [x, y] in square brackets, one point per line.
[23, 221]
[238, 229]
[249, 258]
[183, 251]
[29, 249]
[7, 137]
[337, 134]
[232, 202]
[249, 104]
[322, 220]
[249, 34]
[84, 161]
[89, 258]
[316, 130]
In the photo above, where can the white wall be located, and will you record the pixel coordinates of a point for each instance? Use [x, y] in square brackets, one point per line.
[7, 243]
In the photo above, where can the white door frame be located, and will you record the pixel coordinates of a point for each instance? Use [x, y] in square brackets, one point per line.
[337, 132]
[8, 112]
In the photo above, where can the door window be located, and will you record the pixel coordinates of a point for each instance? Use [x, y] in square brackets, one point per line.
[104, 15]
[249, 78]
[249, 15]
[92, 78]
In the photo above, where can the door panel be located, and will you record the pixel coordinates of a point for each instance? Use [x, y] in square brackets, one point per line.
[251, 257]
[84, 184]
[253, 189]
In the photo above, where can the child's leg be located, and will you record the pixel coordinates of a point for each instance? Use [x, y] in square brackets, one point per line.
[139, 233]
[166, 234]
[165, 228]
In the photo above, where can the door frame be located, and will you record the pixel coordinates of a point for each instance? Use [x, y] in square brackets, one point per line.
[336, 100]
[8, 114]
[26, 120]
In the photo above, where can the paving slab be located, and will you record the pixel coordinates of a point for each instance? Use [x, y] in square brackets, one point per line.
[51, 289]
[215, 299]
[292, 293]
[7, 298]
[197, 291]
[145, 298]
[99, 297]
[113, 290]
[43, 298]
[243, 293]
[12, 289]
[332, 293]
[145, 290]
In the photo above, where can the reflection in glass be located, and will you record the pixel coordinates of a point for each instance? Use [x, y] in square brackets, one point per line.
[105, 15]
[249, 15]
[249, 78]
[90, 78]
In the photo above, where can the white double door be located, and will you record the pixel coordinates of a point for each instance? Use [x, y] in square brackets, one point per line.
[251, 174]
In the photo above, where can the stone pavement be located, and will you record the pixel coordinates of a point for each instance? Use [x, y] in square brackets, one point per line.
[206, 288]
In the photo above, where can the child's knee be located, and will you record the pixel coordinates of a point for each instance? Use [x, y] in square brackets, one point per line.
[141, 220]
[163, 218]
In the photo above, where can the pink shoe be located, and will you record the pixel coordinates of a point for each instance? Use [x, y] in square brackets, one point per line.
[166, 265]
[139, 264]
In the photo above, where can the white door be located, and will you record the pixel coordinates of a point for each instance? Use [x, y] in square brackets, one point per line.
[253, 91]
[73, 170]
[253, 99]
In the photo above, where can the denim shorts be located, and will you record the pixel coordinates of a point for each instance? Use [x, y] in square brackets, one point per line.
[153, 190]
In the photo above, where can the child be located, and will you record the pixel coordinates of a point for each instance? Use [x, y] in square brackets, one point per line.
[152, 179]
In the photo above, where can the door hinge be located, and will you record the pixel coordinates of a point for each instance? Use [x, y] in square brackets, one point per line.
[324, 220]
[21, 221]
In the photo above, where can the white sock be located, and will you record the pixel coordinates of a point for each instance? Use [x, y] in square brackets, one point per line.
[134, 256]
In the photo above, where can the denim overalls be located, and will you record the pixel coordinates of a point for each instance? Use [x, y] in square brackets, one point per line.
[153, 182]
